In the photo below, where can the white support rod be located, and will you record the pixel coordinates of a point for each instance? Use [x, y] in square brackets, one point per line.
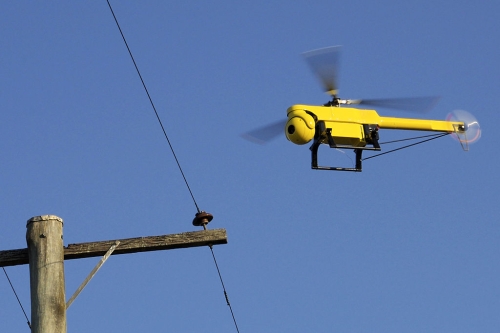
[91, 275]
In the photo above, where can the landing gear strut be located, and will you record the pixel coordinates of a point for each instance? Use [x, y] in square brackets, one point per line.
[324, 135]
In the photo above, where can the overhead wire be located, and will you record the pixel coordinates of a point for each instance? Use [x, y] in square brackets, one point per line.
[154, 108]
[224, 289]
[18, 301]
[175, 157]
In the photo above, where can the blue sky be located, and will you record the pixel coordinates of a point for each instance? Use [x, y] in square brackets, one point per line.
[408, 245]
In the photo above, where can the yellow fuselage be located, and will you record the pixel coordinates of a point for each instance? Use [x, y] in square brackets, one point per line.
[346, 124]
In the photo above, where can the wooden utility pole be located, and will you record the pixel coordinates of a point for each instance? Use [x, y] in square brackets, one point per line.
[46, 254]
[46, 259]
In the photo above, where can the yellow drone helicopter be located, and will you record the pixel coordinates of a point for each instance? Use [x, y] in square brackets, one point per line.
[351, 128]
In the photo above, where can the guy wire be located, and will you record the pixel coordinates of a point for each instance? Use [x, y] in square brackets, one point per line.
[407, 139]
[413, 144]
[152, 104]
[18, 301]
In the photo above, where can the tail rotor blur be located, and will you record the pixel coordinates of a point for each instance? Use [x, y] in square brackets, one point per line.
[472, 131]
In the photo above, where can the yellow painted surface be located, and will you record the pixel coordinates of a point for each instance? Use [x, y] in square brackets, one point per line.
[346, 123]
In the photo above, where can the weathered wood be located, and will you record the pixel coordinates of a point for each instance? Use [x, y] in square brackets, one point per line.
[46, 261]
[14, 257]
[130, 245]
[92, 273]
[144, 244]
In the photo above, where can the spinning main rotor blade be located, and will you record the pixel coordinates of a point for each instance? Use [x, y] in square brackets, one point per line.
[413, 104]
[266, 133]
[324, 63]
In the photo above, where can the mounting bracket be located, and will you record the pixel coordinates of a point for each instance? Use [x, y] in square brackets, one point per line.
[325, 134]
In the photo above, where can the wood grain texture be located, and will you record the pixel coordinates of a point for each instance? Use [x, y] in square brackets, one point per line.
[130, 245]
[46, 262]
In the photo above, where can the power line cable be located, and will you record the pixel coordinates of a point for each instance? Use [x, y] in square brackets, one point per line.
[152, 104]
[224, 288]
[175, 157]
[18, 301]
